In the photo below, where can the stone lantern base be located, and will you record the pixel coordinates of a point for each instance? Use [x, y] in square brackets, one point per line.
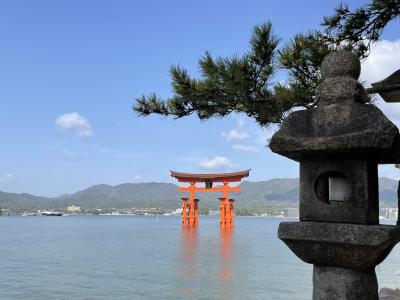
[344, 255]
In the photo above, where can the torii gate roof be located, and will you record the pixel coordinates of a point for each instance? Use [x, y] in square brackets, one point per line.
[216, 177]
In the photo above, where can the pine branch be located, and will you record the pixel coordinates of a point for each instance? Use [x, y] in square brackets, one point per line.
[363, 26]
[235, 84]
[244, 84]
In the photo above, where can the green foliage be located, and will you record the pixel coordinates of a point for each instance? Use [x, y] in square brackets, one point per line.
[236, 84]
[302, 57]
[244, 84]
[359, 28]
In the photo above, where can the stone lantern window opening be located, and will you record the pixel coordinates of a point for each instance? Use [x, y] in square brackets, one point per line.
[332, 186]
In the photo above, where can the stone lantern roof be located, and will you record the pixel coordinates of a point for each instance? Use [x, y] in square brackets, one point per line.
[342, 123]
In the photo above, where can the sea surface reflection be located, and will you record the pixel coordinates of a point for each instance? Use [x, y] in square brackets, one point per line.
[190, 262]
[225, 249]
[125, 257]
[188, 267]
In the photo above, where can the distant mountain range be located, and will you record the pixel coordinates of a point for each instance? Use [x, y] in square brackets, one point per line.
[278, 192]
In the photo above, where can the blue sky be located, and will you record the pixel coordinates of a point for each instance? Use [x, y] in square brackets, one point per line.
[70, 71]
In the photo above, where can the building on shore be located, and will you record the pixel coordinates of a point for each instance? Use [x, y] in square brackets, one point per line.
[74, 209]
[291, 212]
[213, 212]
[177, 211]
[391, 213]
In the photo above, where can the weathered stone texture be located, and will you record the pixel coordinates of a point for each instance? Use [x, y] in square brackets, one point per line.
[340, 63]
[336, 128]
[359, 247]
[344, 284]
[341, 90]
[361, 208]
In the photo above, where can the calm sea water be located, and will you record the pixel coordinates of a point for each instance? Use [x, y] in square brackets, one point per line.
[130, 257]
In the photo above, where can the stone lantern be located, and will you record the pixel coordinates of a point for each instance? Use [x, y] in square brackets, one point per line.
[339, 144]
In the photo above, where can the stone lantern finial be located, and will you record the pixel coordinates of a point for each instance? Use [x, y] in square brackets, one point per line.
[341, 63]
[340, 71]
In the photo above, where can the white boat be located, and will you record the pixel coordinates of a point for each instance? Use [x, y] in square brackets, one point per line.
[51, 213]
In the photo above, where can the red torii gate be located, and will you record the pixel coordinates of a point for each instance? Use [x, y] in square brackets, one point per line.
[190, 216]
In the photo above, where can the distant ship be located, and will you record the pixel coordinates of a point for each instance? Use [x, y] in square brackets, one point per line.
[51, 213]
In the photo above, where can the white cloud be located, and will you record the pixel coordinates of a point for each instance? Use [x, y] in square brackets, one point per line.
[137, 178]
[76, 122]
[383, 60]
[245, 148]
[389, 171]
[216, 163]
[391, 110]
[235, 134]
[6, 178]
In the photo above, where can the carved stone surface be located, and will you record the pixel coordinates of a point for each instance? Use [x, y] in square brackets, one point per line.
[359, 247]
[341, 90]
[361, 208]
[344, 284]
[340, 63]
[336, 128]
